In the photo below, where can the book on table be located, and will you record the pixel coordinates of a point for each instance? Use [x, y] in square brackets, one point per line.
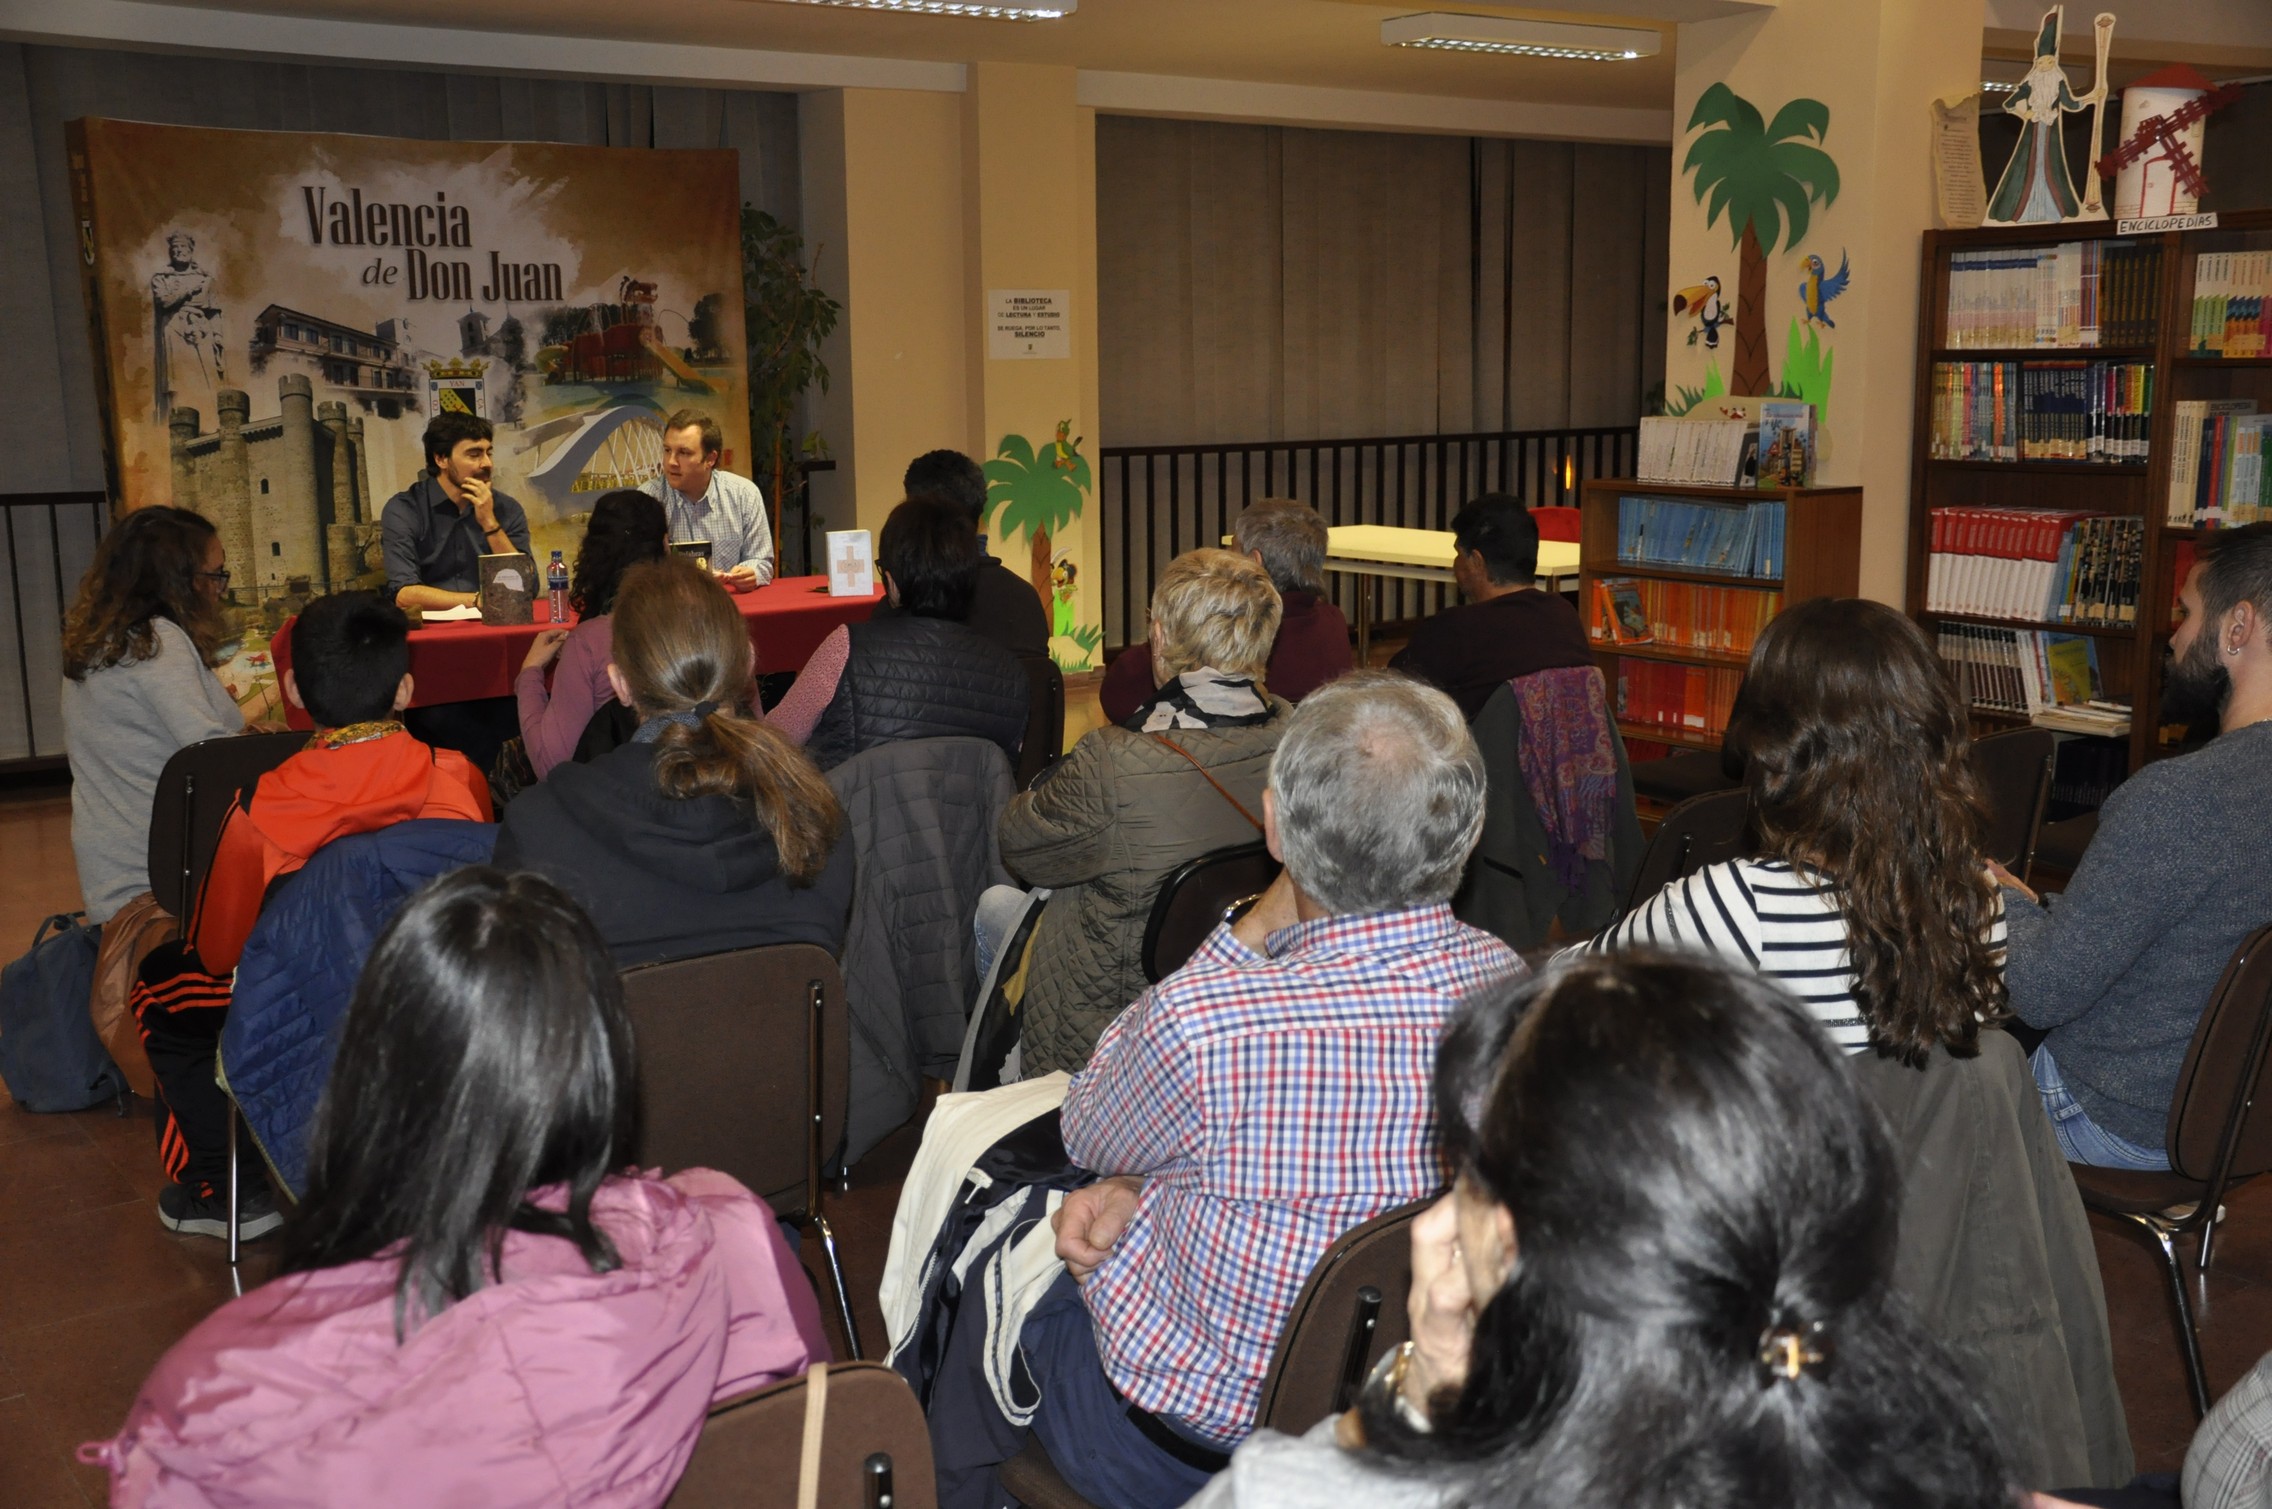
[508, 587]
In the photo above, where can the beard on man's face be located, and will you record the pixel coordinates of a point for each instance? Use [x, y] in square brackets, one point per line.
[2196, 685]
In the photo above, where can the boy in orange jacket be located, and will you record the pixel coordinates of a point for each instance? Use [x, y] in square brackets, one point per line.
[360, 772]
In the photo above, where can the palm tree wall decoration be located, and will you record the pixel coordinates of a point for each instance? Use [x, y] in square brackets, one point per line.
[1037, 494]
[1765, 176]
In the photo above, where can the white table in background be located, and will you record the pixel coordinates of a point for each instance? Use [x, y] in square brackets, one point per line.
[1373, 552]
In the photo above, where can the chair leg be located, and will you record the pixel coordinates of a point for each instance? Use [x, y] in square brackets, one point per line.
[236, 1279]
[2188, 1334]
[836, 1279]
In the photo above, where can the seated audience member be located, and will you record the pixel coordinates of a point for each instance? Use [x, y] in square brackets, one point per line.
[1507, 628]
[1004, 606]
[2229, 1465]
[139, 645]
[360, 772]
[1288, 540]
[481, 1300]
[434, 534]
[1663, 1277]
[1183, 777]
[627, 528]
[704, 501]
[1869, 899]
[913, 670]
[1263, 1099]
[2120, 966]
[708, 831]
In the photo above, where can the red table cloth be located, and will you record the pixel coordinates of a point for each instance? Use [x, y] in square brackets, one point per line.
[462, 662]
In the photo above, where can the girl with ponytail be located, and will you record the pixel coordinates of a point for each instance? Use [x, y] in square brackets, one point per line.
[709, 831]
[1662, 1278]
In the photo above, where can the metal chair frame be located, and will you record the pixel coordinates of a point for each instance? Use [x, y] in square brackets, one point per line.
[2198, 1217]
[2042, 795]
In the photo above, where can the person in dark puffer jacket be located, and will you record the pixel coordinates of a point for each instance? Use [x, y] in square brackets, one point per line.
[913, 670]
[708, 831]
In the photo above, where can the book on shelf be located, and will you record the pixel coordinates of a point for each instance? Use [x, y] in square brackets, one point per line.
[1786, 443]
[1690, 699]
[2216, 463]
[2096, 411]
[2042, 565]
[2230, 290]
[1619, 614]
[2073, 295]
[1683, 615]
[1713, 452]
[1727, 538]
[2049, 678]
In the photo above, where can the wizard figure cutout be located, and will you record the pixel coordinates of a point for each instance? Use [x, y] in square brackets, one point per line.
[2036, 187]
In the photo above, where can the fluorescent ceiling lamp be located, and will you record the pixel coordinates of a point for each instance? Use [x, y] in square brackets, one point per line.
[1449, 32]
[1040, 10]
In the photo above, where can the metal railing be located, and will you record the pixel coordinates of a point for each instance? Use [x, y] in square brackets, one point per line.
[1158, 501]
[50, 538]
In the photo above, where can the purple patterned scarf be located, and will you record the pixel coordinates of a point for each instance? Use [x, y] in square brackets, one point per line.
[1570, 765]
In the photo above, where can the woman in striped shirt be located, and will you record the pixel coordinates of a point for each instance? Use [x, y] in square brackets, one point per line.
[1870, 899]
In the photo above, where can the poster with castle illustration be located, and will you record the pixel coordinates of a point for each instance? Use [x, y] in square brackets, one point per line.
[277, 315]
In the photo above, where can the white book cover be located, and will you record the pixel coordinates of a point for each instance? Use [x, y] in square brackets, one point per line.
[851, 563]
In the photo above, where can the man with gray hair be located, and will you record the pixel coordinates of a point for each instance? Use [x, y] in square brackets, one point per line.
[1264, 1099]
[1312, 647]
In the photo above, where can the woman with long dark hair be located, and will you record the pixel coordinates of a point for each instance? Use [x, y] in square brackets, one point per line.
[1663, 1276]
[139, 645]
[627, 527]
[477, 1303]
[710, 830]
[1870, 898]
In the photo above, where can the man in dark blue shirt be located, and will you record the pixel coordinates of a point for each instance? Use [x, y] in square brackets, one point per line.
[436, 530]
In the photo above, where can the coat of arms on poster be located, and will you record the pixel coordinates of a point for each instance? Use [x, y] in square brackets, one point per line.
[2037, 188]
[277, 315]
[1028, 324]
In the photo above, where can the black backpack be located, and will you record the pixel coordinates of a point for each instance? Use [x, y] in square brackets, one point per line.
[50, 1057]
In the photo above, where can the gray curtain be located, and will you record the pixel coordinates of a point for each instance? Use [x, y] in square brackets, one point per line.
[1273, 282]
[50, 431]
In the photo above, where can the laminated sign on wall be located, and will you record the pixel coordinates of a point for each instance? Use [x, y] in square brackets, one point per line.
[1029, 324]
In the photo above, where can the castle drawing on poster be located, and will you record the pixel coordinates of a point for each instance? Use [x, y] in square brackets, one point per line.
[280, 315]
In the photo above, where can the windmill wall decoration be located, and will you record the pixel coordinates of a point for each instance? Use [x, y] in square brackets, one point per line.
[2157, 169]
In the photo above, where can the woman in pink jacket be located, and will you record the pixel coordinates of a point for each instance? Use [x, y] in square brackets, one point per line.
[477, 1304]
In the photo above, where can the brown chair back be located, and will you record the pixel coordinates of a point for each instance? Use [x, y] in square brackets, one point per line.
[2215, 1132]
[2014, 768]
[735, 1052]
[195, 792]
[751, 1447]
[1045, 718]
[1193, 899]
[1700, 831]
[1350, 1311]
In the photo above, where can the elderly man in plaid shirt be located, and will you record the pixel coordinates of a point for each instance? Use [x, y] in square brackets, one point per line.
[1264, 1099]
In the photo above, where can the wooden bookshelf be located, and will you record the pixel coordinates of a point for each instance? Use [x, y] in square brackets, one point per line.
[1822, 557]
[2130, 656]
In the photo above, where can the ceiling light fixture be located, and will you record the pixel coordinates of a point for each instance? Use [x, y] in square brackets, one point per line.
[1449, 32]
[1043, 10]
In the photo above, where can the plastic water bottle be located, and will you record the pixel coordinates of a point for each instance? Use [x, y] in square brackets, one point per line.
[556, 584]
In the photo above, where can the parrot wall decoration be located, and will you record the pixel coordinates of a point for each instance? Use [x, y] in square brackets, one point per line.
[1703, 301]
[1816, 291]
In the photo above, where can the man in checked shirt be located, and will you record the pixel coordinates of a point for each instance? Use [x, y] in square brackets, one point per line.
[1264, 1099]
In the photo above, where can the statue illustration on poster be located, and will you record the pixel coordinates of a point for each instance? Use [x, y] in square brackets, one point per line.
[185, 317]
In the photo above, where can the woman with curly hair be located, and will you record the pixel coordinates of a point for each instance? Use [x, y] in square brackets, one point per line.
[627, 527]
[139, 645]
[1870, 899]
